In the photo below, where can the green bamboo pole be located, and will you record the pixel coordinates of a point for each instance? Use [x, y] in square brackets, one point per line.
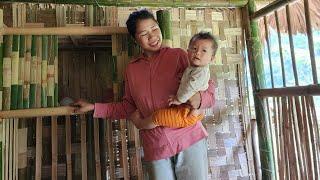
[14, 71]
[33, 71]
[44, 66]
[50, 93]
[27, 63]
[148, 3]
[258, 82]
[164, 19]
[56, 97]
[21, 71]
[7, 72]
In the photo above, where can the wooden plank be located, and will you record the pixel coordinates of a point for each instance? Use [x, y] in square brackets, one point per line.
[85, 30]
[68, 148]
[38, 148]
[97, 148]
[290, 91]
[83, 147]
[26, 113]
[54, 141]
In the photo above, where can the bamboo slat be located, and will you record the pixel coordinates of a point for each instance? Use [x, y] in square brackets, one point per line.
[50, 74]
[269, 50]
[38, 148]
[14, 71]
[124, 151]
[280, 49]
[44, 67]
[7, 73]
[33, 72]
[38, 72]
[27, 63]
[21, 72]
[1, 62]
[68, 148]
[83, 148]
[97, 148]
[56, 80]
[54, 141]
[110, 149]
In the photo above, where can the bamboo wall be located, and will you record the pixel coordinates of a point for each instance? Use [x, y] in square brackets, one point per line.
[98, 78]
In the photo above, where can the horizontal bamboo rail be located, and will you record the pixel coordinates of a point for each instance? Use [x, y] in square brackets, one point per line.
[126, 3]
[290, 91]
[270, 8]
[96, 30]
[38, 112]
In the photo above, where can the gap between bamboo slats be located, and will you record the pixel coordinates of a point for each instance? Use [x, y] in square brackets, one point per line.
[38, 148]
[280, 49]
[97, 148]
[54, 141]
[68, 148]
[84, 166]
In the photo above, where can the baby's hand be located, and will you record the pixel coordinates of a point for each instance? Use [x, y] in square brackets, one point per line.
[173, 101]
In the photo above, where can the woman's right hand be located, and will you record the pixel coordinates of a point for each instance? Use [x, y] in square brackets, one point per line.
[83, 106]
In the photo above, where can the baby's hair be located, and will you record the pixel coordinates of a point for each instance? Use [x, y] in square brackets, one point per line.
[205, 35]
[135, 17]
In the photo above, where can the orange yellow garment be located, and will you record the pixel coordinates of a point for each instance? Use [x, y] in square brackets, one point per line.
[175, 117]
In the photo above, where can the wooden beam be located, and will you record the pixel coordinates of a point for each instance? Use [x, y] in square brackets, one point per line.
[270, 8]
[96, 30]
[126, 3]
[310, 90]
[36, 112]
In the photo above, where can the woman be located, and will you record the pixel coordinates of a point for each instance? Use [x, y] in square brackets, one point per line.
[170, 153]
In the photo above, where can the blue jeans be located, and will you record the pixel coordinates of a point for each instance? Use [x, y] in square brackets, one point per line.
[190, 164]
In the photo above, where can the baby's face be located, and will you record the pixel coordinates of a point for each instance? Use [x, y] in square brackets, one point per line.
[200, 52]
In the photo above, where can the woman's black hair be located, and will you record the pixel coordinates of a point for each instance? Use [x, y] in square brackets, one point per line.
[135, 17]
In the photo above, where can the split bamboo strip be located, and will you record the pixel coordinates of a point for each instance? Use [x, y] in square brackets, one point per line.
[280, 49]
[64, 31]
[124, 150]
[1, 73]
[38, 148]
[21, 72]
[83, 148]
[44, 67]
[97, 148]
[56, 72]
[10, 149]
[68, 148]
[14, 71]
[111, 155]
[27, 63]
[33, 71]
[50, 75]
[310, 41]
[36, 112]
[312, 136]
[7, 72]
[38, 72]
[293, 57]
[7, 144]
[293, 166]
[315, 126]
[269, 49]
[54, 141]
[164, 19]
[306, 139]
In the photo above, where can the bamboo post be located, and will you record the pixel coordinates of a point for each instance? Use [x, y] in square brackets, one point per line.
[51, 70]
[84, 166]
[54, 140]
[164, 19]
[33, 71]
[27, 63]
[7, 72]
[21, 72]
[44, 67]
[257, 78]
[15, 71]
[38, 164]
[1, 68]
[68, 148]
[97, 148]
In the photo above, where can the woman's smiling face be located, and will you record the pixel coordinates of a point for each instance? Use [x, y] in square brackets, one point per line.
[148, 35]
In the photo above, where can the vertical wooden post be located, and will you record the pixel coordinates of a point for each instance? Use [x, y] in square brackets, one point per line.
[84, 168]
[1, 89]
[68, 148]
[97, 148]
[38, 148]
[257, 79]
[54, 141]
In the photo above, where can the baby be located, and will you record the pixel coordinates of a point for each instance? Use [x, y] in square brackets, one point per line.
[201, 51]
